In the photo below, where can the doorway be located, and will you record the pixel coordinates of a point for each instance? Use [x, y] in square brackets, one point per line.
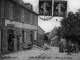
[10, 40]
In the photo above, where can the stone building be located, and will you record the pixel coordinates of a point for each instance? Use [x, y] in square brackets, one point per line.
[54, 41]
[18, 26]
[40, 41]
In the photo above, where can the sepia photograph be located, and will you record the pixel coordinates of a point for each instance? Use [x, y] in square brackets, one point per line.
[39, 29]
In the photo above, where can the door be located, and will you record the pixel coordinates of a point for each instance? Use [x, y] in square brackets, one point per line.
[10, 40]
[0, 41]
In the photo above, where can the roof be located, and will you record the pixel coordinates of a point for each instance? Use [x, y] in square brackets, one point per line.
[24, 6]
[41, 28]
[53, 32]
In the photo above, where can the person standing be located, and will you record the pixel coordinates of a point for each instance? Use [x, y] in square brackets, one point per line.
[69, 48]
[61, 47]
[77, 47]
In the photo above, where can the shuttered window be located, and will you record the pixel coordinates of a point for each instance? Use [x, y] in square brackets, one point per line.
[2, 9]
[10, 11]
[22, 16]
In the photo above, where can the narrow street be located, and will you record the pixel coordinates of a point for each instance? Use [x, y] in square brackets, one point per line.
[39, 29]
[38, 54]
[54, 54]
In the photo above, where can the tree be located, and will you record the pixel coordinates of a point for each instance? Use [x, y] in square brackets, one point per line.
[70, 26]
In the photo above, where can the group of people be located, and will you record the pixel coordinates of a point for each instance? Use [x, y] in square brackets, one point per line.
[70, 48]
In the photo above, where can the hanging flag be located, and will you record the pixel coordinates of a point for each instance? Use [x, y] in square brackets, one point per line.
[45, 7]
[60, 8]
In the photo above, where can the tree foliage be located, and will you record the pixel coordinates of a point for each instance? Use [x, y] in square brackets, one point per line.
[70, 26]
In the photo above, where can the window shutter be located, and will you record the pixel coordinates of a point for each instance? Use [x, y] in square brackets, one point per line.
[10, 11]
[22, 16]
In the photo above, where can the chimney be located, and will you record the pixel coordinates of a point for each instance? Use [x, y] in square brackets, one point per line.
[29, 6]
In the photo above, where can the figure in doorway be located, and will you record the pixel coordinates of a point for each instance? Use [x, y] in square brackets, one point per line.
[69, 48]
[61, 47]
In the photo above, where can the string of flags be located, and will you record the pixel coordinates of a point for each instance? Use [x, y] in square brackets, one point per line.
[49, 8]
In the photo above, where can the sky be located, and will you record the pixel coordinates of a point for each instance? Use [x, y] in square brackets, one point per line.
[47, 26]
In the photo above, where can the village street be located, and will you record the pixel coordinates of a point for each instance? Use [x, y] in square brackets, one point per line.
[38, 54]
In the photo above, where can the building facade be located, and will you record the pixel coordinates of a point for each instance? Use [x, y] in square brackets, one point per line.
[52, 33]
[54, 41]
[40, 41]
[18, 26]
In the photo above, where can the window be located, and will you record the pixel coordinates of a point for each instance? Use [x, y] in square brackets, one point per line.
[22, 16]
[2, 9]
[10, 11]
